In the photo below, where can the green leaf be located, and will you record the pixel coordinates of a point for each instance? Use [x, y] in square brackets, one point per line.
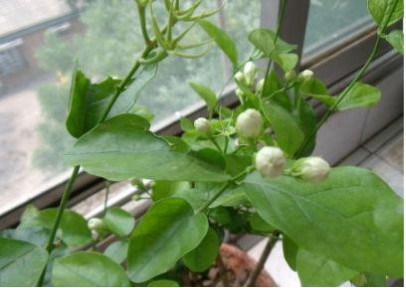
[163, 283]
[119, 221]
[223, 40]
[353, 211]
[317, 90]
[142, 111]
[374, 280]
[117, 251]
[21, 263]
[380, 11]
[318, 271]
[202, 257]
[35, 235]
[361, 95]
[395, 38]
[263, 40]
[290, 250]
[206, 94]
[73, 226]
[89, 101]
[165, 234]
[165, 189]
[286, 61]
[288, 132]
[88, 269]
[121, 148]
[259, 225]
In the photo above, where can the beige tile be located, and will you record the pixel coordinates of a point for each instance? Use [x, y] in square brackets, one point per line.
[392, 152]
[387, 172]
[383, 136]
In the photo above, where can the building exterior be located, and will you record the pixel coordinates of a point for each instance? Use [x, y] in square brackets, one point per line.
[23, 24]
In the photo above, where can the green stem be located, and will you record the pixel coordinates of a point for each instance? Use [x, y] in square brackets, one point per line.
[124, 83]
[62, 206]
[224, 188]
[278, 31]
[143, 24]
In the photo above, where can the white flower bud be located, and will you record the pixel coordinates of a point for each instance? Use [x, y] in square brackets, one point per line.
[260, 86]
[202, 125]
[289, 76]
[239, 77]
[239, 93]
[269, 161]
[312, 169]
[95, 235]
[250, 71]
[95, 224]
[249, 124]
[306, 75]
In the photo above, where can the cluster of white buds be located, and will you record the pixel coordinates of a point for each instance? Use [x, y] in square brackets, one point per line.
[247, 76]
[202, 125]
[249, 124]
[311, 169]
[306, 75]
[269, 161]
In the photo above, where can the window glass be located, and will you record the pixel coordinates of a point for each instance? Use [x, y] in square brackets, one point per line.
[40, 43]
[331, 21]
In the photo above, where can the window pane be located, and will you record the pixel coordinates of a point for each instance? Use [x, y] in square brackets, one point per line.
[40, 43]
[331, 21]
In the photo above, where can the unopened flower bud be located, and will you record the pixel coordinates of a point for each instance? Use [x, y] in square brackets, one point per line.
[202, 125]
[95, 224]
[95, 235]
[269, 161]
[312, 169]
[260, 86]
[239, 77]
[289, 76]
[250, 71]
[249, 124]
[239, 93]
[306, 75]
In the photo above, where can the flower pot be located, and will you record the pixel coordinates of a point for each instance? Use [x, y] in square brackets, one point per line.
[237, 265]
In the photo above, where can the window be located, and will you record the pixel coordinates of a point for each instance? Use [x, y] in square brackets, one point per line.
[331, 22]
[33, 110]
[35, 93]
[11, 59]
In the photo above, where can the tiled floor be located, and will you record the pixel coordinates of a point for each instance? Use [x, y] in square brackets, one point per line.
[383, 154]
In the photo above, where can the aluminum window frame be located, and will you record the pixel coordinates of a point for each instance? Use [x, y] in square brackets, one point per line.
[346, 57]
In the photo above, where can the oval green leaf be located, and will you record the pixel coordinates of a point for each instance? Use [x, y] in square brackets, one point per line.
[117, 251]
[206, 94]
[380, 10]
[21, 263]
[395, 38]
[318, 271]
[353, 211]
[119, 221]
[73, 226]
[120, 149]
[361, 95]
[165, 234]
[202, 257]
[88, 269]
